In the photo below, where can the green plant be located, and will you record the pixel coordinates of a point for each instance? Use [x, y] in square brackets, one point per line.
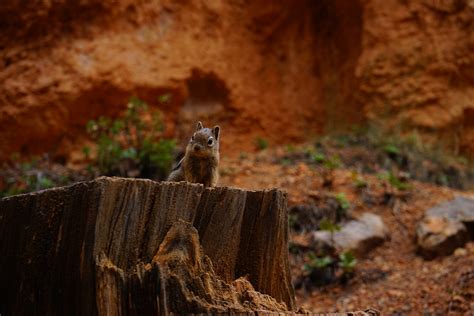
[397, 183]
[391, 149]
[261, 143]
[28, 176]
[290, 148]
[329, 226]
[321, 268]
[332, 163]
[292, 220]
[347, 262]
[286, 161]
[342, 140]
[132, 145]
[86, 150]
[43, 182]
[164, 98]
[359, 181]
[318, 157]
[316, 262]
[322, 262]
[343, 201]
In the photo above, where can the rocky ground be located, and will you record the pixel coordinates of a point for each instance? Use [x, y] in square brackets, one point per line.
[342, 181]
[391, 278]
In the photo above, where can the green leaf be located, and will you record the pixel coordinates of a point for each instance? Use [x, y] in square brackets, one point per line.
[129, 153]
[318, 157]
[165, 98]
[342, 200]
[117, 127]
[332, 163]
[104, 122]
[137, 103]
[91, 127]
[307, 267]
[347, 261]
[322, 262]
[396, 183]
[391, 149]
[86, 150]
[45, 183]
[261, 143]
[329, 226]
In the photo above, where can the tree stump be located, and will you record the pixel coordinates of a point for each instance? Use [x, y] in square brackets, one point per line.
[115, 246]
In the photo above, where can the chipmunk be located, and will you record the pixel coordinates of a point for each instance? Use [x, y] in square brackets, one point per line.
[201, 159]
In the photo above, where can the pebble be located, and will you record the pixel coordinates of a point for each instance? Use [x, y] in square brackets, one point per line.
[460, 252]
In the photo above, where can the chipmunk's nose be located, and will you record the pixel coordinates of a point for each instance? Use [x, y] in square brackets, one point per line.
[197, 147]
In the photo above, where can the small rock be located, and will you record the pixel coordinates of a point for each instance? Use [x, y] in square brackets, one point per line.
[460, 252]
[358, 236]
[439, 236]
[459, 209]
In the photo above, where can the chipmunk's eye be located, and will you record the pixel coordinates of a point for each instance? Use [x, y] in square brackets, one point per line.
[192, 137]
[210, 141]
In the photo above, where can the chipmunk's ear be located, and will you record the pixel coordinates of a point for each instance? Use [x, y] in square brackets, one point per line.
[199, 126]
[216, 131]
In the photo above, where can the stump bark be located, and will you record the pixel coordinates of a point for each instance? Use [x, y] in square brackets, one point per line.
[117, 246]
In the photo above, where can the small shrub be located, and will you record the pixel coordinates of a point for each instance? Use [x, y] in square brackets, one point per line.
[394, 181]
[358, 180]
[290, 148]
[343, 202]
[347, 262]
[329, 226]
[318, 157]
[391, 149]
[261, 143]
[332, 163]
[164, 98]
[292, 220]
[132, 145]
[286, 161]
[317, 262]
[323, 269]
[320, 270]
[33, 175]
[86, 150]
[341, 141]
[329, 164]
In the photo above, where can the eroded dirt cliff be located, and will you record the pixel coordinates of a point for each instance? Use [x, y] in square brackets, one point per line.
[284, 71]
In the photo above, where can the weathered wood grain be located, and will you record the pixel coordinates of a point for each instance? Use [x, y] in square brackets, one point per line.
[97, 248]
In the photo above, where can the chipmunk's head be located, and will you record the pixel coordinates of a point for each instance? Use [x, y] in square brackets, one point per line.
[204, 142]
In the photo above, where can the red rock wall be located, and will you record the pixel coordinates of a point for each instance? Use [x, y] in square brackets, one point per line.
[417, 68]
[283, 70]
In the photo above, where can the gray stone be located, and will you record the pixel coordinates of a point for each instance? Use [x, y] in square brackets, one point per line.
[358, 236]
[459, 209]
[439, 236]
